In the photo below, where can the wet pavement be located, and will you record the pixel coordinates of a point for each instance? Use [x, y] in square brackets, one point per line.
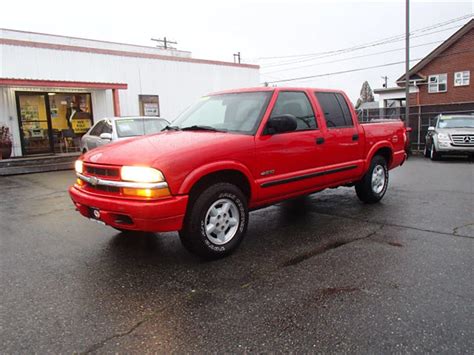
[324, 273]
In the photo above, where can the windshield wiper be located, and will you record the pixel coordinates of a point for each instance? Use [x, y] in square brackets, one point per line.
[202, 128]
[171, 128]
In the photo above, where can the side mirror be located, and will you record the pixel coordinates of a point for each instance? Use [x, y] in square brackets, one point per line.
[431, 129]
[281, 124]
[106, 136]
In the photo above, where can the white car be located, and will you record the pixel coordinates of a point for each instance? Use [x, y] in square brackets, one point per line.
[117, 128]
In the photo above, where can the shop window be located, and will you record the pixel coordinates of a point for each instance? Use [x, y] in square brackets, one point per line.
[71, 117]
[438, 83]
[461, 78]
[52, 122]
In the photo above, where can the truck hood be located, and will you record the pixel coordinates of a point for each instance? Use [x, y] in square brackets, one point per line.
[168, 148]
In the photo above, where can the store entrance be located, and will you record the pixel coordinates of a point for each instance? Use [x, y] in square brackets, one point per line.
[53, 122]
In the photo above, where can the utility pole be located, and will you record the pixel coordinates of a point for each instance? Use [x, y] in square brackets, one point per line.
[165, 42]
[237, 55]
[407, 63]
[385, 79]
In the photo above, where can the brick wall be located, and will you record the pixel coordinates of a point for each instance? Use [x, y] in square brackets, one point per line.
[458, 57]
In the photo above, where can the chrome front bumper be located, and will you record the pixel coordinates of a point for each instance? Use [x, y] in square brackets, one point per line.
[94, 181]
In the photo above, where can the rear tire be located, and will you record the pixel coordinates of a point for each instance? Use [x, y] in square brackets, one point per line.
[216, 221]
[374, 184]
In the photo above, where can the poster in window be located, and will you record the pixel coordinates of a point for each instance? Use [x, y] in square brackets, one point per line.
[149, 105]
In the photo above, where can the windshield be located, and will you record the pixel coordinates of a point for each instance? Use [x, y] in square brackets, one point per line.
[132, 127]
[238, 112]
[456, 122]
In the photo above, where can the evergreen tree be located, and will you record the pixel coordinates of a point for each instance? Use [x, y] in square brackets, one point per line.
[366, 94]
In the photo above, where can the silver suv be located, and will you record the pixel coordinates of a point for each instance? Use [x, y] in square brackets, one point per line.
[451, 134]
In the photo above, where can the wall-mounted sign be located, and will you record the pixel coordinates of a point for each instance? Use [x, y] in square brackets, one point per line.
[149, 105]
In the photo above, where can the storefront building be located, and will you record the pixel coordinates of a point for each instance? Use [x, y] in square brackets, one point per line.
[53, 88]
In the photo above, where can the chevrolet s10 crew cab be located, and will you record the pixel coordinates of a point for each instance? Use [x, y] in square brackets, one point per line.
[232, 152]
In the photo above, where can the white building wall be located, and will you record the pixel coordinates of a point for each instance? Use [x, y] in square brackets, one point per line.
[177, 83]
[102, 104]
[8, 117]
[383, 96]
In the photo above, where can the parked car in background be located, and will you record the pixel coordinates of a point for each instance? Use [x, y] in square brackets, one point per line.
[233, 152]
[450, 134]
[117, 128]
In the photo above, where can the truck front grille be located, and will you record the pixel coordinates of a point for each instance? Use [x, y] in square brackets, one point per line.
[104, 172]
[463, 140]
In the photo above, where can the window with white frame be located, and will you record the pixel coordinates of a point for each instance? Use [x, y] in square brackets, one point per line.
[438, 83]
[461, 78]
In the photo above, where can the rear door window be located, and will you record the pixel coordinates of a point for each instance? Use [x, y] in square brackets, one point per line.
[345, 109]
[335, 109]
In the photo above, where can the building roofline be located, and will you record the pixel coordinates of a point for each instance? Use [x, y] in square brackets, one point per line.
[441, 48]
[85, 39]
[121, 53]
[61, 84]
[392, 89]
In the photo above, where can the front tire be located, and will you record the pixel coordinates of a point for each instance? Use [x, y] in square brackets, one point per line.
[216, 221]
[434, 155]
[374, 184]
[426, 151]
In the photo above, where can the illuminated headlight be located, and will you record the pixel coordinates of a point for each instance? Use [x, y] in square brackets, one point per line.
[443, 137]
[141, 174]
[78, 166]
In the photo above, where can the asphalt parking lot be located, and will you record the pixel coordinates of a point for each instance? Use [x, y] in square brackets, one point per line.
[323, 273]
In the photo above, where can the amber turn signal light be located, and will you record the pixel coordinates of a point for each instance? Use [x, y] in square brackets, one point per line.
[146, 193]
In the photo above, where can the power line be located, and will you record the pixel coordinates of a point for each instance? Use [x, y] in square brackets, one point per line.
[423, 29]
[349, 58]
[302, 78]
[351, 50]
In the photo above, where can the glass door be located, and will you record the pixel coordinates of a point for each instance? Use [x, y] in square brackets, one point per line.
[35, 123]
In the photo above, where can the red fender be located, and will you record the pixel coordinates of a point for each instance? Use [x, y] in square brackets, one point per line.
[207, 169]
[374, 149]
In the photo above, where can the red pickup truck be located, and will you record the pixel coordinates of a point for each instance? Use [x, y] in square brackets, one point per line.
[232, 152]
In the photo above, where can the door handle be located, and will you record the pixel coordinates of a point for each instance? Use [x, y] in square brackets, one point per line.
[320, 140]
[355, 137]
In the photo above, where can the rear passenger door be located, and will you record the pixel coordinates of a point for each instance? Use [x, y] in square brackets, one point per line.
[343, 139]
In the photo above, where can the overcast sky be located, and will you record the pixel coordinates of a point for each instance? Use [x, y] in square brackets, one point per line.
[258, 29]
